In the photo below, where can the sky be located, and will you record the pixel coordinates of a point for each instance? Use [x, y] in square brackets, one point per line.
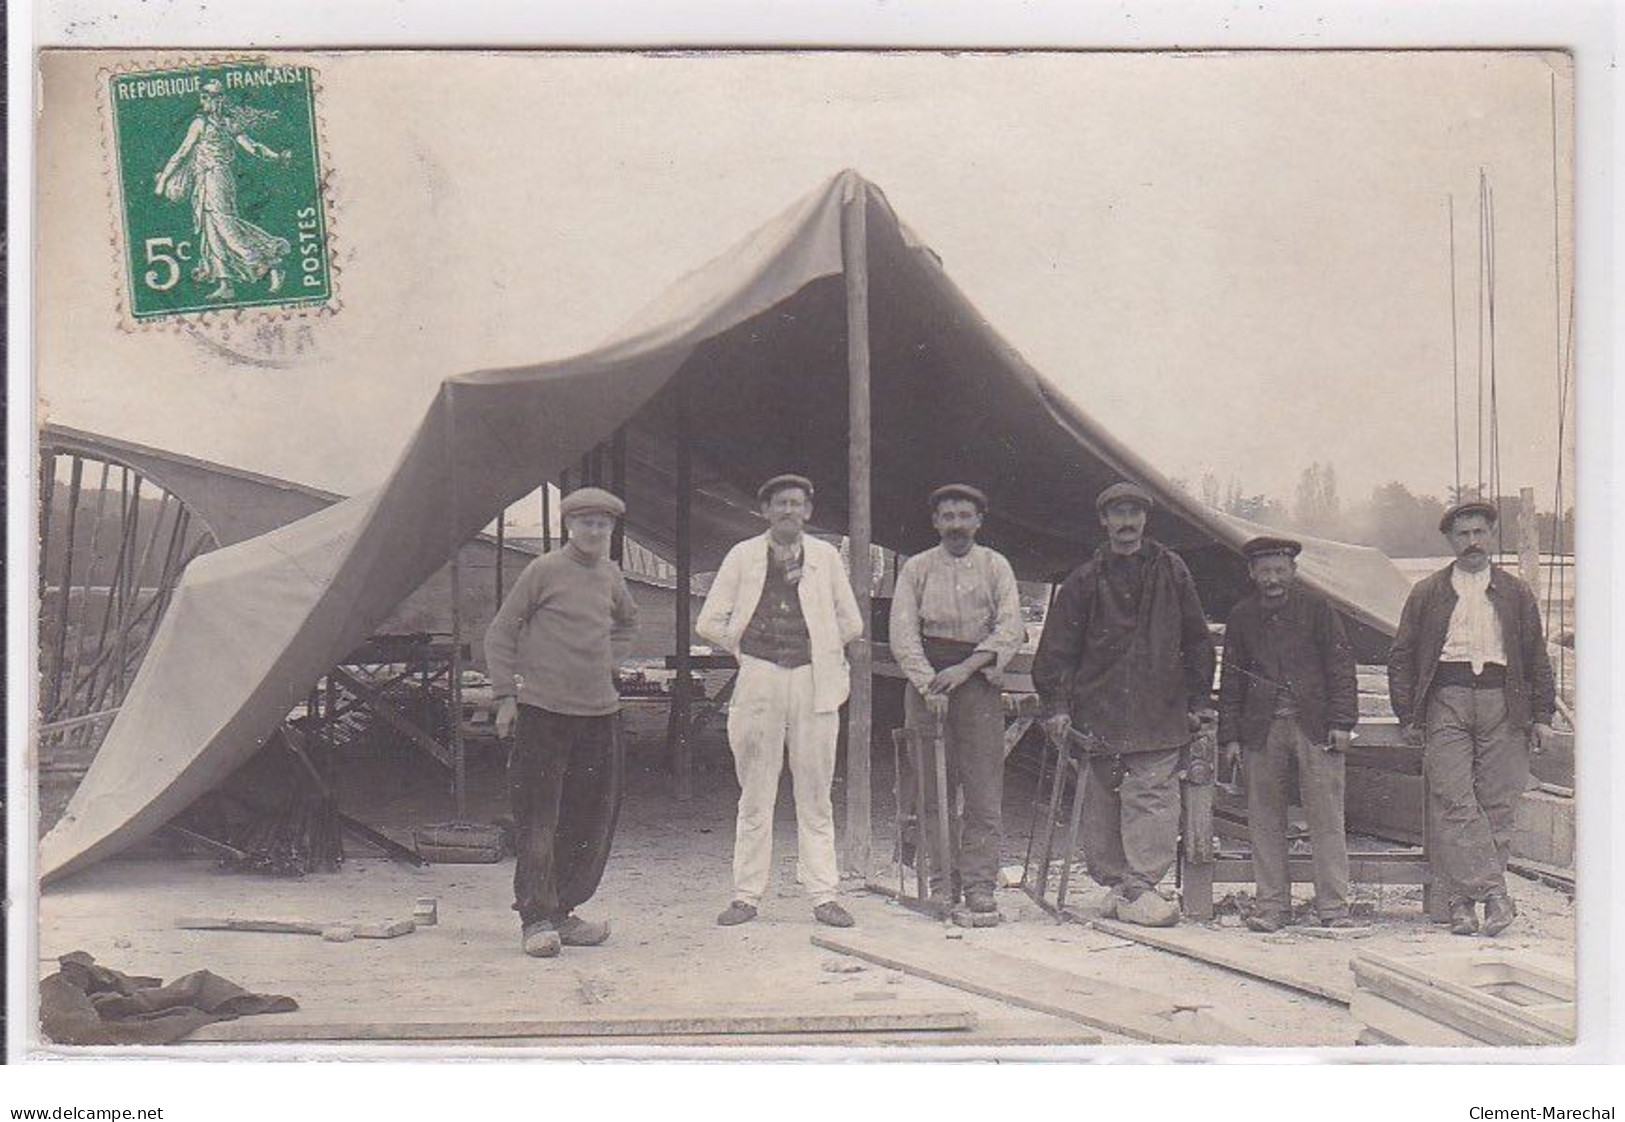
[1239, 262]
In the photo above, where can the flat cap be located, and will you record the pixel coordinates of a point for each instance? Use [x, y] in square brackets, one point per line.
[1271, 547]
[959, 491]
[1471, 506]
[779, 482]
[1124, 492]
[591, 500]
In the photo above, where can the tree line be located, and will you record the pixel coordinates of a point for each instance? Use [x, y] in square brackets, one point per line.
[1392, 518]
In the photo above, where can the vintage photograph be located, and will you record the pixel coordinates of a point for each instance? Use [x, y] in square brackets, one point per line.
[890, 551]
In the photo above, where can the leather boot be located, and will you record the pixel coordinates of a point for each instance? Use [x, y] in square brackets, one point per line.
[1498, 913]
[1463, 919]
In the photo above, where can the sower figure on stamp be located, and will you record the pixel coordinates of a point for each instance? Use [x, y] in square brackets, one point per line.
[1126, 660]
[955, 623]
[551, 651]
[1470, 679]
[782, 604]
[1288, 696]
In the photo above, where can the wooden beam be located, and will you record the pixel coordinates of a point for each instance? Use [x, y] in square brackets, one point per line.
[617, 484]
[502, 549]
[394, 718]
[1528, 540]
[459, 772]
[898, 1017]
[1200, 945]
[547, 517]
[683, 687]
[860, 715]
[1031, 985]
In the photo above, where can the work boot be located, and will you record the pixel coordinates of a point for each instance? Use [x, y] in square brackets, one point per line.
[1265, 922]
[737, 912]
[1114, 900]
[577, 932]
[1341, 923]
[833, 914]
[540, 940]
[1498, 913]
[980, 900]
[1463, 919]
[1149, 909]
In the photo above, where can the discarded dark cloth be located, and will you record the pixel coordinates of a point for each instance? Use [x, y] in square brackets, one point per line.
[83, 1003]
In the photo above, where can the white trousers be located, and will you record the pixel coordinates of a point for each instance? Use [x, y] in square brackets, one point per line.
[773, 709]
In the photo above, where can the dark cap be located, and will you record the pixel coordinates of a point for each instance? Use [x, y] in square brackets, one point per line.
[778, 483]
[959, 491]
[591, 500]
[1271, 547]
[1123, 492]
[1471, 506]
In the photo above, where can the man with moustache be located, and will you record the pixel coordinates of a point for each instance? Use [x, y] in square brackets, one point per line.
[1287, 694]
[1470, 681]
[551, 652]
[955, 623]
[782, 604]
[1127, 661]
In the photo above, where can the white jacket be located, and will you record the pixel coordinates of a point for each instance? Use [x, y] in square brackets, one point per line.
[827, 604]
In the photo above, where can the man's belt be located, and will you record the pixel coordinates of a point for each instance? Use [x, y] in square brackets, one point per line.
[1493, 677]
[943, 653]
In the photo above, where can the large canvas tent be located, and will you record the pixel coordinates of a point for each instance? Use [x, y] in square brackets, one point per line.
[745, 369]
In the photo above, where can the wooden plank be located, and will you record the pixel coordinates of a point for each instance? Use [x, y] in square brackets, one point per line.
[1201, 946]
[1405, 1026]
[1100, 1004]
[387, 929]
[899, 1017]
[1424, 987]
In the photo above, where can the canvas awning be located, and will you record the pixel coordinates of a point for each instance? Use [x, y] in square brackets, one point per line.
[756, 341]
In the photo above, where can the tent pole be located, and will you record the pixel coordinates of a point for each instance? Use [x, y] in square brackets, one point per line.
[854, 256]
[502, 547]
[617, 483]
[459, 786]
[683, 685]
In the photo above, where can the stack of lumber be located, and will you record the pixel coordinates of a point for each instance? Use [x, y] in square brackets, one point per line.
[1498, 998]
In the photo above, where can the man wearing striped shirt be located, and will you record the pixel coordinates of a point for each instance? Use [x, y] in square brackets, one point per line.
[955, 623]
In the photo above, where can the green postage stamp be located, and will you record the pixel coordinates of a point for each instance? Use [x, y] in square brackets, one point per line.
[220, 189]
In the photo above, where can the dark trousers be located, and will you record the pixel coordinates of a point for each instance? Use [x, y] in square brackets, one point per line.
[564, 779]
[974, 738]
[1130, 827]
[1320, 786]
[1477, 764]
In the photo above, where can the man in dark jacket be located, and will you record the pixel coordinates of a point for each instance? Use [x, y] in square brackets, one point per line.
[1287, 694]
[1469, 678]
[1126, 658]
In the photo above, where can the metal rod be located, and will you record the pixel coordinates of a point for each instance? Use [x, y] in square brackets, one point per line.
[1072, 833]
[83, 615]
[945, 839]
[65, 585]
[860, 716]
[923, 860]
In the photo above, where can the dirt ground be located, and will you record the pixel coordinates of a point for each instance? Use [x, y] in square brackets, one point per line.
[667, 879]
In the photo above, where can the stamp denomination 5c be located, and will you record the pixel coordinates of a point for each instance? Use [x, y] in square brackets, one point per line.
[220, 189]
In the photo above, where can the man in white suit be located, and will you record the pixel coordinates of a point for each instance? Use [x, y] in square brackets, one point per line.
[782, 604]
